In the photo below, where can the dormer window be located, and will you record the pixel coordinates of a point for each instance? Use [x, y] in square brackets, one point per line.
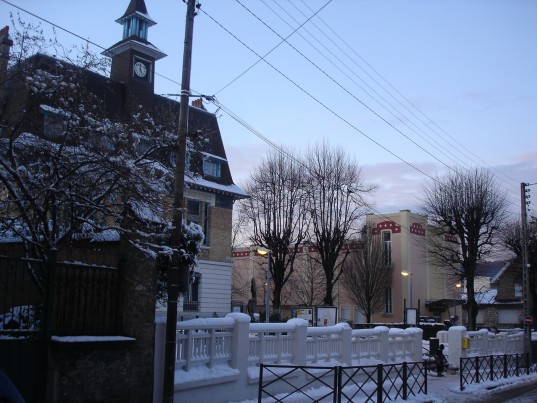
[212, 167]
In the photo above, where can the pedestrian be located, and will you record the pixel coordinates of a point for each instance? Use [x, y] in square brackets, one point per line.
[440, 360]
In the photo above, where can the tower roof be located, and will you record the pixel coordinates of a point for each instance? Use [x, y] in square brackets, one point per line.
[136, 7]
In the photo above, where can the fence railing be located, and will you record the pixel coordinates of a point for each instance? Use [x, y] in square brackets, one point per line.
[371, 383]
[81, 299]
[489, 368]
[206, 341]
[483, 342]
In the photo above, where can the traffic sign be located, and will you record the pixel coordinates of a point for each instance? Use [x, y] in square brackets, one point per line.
[529, 320]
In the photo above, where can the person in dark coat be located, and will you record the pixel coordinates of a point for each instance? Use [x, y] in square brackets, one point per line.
[440, 360]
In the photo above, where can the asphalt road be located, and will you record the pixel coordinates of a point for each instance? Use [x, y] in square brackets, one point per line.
[523, 394]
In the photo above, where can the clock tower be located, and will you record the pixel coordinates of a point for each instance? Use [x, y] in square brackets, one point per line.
[133, 58]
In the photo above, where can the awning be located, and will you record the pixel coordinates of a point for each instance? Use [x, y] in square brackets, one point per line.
[443, 304]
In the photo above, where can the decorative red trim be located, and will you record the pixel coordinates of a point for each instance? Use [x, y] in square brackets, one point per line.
[417, 229]
[387, 225]
[240, 254]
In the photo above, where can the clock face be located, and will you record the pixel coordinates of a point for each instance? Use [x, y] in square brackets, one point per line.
[140, 69]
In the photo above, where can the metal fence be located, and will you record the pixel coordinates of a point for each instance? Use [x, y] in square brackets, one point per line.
[491, 367]
[374, 383]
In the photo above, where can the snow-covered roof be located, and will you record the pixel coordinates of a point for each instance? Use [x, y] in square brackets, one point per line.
[137, 45]
[232, 189]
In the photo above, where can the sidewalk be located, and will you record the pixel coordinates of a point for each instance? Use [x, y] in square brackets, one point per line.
[447, 390]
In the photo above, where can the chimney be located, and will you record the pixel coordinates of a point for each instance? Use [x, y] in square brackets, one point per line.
[198, 103]
[5, 46]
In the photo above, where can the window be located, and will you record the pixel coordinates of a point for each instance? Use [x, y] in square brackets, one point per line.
[212, 168]
[346, 313]
[359, 316]
[194, 214]
[388, 300]
[518, 290]
[386, 249]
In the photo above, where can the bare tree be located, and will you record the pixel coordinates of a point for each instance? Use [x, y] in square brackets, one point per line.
[335, 200]
[70, 168]
[307, 284]
[366, 275]
[276, 212]
[468, 210]
[511, 238]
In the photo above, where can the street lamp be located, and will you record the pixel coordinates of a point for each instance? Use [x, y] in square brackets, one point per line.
[410, 275]
[458, 285]
[267, 279]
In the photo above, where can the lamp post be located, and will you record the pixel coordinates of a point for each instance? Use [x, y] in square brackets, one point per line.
[267, 281]
[410, 275]
[458, 285]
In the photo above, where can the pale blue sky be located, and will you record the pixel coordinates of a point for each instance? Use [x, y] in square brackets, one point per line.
[468, 67]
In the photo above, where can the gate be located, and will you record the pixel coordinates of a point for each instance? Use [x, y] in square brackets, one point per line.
[39, 299]
[22, 324]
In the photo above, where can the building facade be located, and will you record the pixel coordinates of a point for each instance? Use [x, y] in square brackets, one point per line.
[431, 291]
[209, 192]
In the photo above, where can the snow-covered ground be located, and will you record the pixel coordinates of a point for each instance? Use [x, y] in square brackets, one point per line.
[443, 390]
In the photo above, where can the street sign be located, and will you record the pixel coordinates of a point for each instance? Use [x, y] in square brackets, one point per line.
[528, 320]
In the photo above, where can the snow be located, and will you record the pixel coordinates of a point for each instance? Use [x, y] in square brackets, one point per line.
[89, 339]
[204, 373]
[440, 390]
[233, 189]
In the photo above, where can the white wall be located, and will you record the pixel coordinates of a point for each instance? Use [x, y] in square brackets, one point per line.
[215, 288]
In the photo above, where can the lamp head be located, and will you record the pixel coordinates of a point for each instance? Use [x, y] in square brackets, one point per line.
[262, 252]
[406, 273]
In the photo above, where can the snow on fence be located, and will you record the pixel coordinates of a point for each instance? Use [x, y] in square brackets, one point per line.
[479, 343]
[484, 342]
[218, 359]
[207, 347]
[206, 342]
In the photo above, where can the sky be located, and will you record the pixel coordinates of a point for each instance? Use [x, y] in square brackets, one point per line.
[410, 89]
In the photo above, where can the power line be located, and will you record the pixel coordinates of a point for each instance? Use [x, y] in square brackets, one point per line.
[343, 88]
[274, 47]
[221, 106]
[317, 100]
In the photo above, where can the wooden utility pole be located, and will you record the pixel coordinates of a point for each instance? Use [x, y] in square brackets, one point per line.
[525, 263]
[178, 271]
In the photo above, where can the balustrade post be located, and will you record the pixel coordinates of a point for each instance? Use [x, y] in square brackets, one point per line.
[299, 341]
[484, 342]
[158, 354]
[188, 348]
[455, 350]
[384, 343]
[345, 343]
[240, 342]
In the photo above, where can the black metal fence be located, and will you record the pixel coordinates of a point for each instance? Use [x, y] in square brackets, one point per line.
[491, 367]
[373, 383]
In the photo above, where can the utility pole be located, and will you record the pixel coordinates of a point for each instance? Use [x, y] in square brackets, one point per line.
[525, 263]
[178, 271]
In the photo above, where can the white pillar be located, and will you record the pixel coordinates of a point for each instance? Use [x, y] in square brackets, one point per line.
[345, 343]
[384, 337]
[455, 350]
[240, 342]
[299, 341]
[158, 356]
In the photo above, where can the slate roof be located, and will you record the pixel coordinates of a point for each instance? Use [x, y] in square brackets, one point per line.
[490, 269]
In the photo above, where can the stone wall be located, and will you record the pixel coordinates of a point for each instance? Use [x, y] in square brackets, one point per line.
[112, 371]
